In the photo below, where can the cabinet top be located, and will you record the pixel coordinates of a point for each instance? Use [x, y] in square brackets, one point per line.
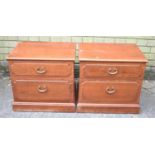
[110, 52]
[43, 51]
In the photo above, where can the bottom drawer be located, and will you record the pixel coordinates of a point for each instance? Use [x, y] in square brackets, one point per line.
[109, 92]
[43, 91]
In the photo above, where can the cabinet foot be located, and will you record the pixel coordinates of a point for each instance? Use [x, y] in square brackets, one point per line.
[39, 106]
[109, 108]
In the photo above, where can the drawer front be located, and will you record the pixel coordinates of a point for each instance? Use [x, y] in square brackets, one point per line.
[111, 70]
[52, 69]
[109, 92]
[51, 91]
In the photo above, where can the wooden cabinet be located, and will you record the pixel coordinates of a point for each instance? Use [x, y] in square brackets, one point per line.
[111, 77]
[110, 80]
[42, 76]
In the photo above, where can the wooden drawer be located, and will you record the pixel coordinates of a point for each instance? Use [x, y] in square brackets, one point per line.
[109, 92]
[43, 91]
[39, 68]
[111, 70]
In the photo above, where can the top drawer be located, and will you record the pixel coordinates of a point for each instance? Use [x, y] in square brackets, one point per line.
[96, 70]
[39, 68]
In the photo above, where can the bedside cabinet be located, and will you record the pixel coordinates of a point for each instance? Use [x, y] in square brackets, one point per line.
[111, 78]
[42, 76]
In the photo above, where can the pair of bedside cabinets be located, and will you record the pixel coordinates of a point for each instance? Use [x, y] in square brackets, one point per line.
[110, 77]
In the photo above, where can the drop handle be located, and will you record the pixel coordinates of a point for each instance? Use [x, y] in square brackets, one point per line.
[42, 89]
[110, 90]
[41, 70]
[112, 71]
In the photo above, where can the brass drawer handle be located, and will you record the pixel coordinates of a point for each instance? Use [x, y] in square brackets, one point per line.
[40, 70]
[42, 89]
[112, 71]
[110, 90]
